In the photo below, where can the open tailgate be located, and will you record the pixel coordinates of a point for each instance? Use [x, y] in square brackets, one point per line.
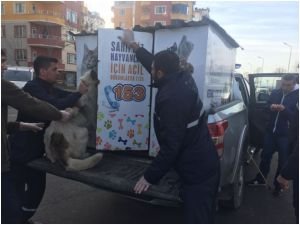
[117, 173]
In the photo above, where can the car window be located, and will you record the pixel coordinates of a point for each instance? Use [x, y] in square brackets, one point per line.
[14, 75]
[264, 86]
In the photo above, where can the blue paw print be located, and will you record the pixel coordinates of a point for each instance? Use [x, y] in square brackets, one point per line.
[113, 135]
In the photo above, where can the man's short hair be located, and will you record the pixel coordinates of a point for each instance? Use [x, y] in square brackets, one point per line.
[289, 77]
[43, 62]
[166, 61]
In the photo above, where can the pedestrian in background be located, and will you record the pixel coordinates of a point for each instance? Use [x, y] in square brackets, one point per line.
[290, 171]
[282, 108]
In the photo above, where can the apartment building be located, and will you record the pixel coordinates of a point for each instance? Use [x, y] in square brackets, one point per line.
[127, 14]
[33, 28]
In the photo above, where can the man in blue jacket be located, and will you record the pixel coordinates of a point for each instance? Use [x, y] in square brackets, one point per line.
[181, 128]
[27, 146]
[282, 105]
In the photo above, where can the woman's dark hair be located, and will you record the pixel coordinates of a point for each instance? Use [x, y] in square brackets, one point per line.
[42, 62]
[166, 61]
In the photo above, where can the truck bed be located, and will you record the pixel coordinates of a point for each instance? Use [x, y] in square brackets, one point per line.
[118, 173]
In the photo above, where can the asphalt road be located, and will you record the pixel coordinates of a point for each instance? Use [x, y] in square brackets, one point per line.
[68, 201]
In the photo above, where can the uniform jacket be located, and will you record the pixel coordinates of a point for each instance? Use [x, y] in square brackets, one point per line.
[13, 96]
[26, 146]
[279, 121]
[181, 129]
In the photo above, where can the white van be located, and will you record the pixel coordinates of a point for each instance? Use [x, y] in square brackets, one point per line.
[19, 75]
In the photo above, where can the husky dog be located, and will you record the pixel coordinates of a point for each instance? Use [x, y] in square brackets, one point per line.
[66, 142]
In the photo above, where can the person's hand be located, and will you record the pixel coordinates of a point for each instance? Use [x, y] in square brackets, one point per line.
[273, 107]
[35, 127]
[65, 115]
[141, 186]
[128, 39]
[284, 183]
[83, 87]
[280, 108]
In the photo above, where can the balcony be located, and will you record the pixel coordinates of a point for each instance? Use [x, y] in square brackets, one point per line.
[47, 16]
[44, 40]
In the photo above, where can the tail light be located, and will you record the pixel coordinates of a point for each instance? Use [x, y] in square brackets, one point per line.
[217, 131]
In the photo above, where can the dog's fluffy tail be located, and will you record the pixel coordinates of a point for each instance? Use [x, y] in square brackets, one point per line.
[83, 164]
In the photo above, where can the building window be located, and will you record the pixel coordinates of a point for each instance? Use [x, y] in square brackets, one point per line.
[71, 58]
[164, 23]
[122, 12]
[71, 16]
[180, 9]
[20, 7]
[2, 8]
[161, 9]
[33, 32]
[21, 54]
[20, 31]
[3, 33]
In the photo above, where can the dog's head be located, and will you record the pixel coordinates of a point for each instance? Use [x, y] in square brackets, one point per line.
[90, 78]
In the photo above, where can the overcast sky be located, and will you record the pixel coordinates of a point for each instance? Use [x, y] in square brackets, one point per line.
[260, 27]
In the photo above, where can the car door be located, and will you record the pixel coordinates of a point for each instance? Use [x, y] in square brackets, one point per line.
[261, 86]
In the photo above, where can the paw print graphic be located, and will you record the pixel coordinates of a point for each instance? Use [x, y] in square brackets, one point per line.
[130, 133]
[113, 135]
[99, 130]
[108, 124]
[98, 140]
[100, 116]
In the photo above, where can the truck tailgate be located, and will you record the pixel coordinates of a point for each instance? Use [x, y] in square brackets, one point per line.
[117, 174]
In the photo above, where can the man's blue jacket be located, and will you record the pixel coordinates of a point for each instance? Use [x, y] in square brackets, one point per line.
[279, 121]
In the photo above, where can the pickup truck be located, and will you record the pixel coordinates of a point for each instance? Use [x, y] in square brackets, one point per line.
[119, 171]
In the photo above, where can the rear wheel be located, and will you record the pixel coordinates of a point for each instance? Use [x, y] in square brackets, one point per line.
[236, 190]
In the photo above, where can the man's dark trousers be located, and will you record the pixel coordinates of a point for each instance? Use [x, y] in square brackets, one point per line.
[272, 143]
[199, 201]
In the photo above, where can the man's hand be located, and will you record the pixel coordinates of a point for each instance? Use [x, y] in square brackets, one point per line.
[65, 115]
[284, 183]
[141, 186]
[83, 88]
[128, 39]
[277, 107]
[35, 127]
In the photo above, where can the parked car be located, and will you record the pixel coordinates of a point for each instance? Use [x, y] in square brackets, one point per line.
[19, 75]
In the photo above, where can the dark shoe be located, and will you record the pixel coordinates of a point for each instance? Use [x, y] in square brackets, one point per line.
[255, 182]
[277, 192]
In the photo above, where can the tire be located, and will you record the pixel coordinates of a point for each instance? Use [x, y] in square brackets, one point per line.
[236, 190]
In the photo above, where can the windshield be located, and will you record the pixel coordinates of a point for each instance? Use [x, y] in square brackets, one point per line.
[14, 75]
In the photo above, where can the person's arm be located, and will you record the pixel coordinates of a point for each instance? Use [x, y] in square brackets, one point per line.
[13, 127]
[145, 57]
[60, 103]
[15, 97]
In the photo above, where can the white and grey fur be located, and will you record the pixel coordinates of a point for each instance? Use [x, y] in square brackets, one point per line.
[66, 142]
